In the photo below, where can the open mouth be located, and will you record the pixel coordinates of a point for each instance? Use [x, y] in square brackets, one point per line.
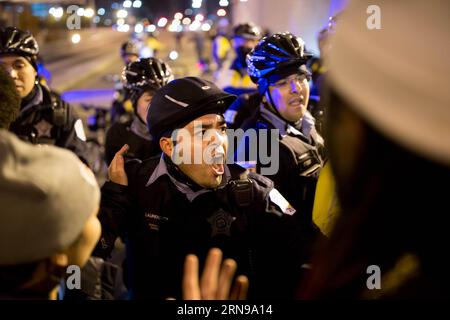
[218, 165]
[296, 102]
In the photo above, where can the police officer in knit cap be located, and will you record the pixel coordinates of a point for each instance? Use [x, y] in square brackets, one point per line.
[168, 206]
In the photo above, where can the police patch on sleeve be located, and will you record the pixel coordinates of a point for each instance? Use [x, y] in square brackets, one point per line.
[276, 198]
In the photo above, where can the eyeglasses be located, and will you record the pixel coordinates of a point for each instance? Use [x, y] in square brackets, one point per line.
[298, 78]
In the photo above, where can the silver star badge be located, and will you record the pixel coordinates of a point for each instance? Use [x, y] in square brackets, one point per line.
[221, 222]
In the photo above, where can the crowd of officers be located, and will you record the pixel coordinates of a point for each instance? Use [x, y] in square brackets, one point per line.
[286, 229]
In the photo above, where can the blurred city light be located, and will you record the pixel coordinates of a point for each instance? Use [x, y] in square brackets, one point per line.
[178, 16]
[122, 13]
[139, 28]
[176, 22]
[172, 28]
[206, 27]
[123, 28]
[146, 52]
[195, 25]
[196, 4]
[89, 13]
[151, 28]
[223, 3]
[188, 12]
[76, 38]
[80, 12]
[127, 4]
[96, 19]
[120, 21]
[199, 17]
[186, 21]
[101, 12]
[162, 22]
[221, 13]
[57, 12]
[137, 4]
[173, 55]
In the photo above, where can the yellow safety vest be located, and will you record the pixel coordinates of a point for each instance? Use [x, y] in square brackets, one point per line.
[326, 207]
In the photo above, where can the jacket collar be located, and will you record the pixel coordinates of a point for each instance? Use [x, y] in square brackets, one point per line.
[36, 98]
[140, 129]
[162, 170]
[302, 128]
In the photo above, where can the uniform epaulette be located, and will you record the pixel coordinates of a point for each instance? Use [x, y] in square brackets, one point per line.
[261, 180]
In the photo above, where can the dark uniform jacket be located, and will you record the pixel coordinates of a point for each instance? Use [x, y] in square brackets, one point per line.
[163, 216]
[300, 157]
[242, 109]
[135, 134]
[46, 119]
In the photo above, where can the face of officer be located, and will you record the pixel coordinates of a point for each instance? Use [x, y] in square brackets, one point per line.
[290, 96]
[22, 72]
[143, 104]
[243, 47]
[239, 42]
[205, 137]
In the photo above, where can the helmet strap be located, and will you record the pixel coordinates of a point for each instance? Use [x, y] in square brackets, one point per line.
[263, 86]
[272, 106]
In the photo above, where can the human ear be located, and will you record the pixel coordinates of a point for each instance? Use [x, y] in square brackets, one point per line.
[166, 145]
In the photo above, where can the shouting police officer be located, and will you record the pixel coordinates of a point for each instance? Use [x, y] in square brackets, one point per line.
[174, 204]
[44, 118]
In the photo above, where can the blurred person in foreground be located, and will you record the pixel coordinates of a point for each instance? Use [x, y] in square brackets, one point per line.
[49, 203]
[9, 100]
[388, 136]
[48, 220]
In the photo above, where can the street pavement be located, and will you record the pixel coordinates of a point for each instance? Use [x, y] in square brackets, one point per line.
[85, 73]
